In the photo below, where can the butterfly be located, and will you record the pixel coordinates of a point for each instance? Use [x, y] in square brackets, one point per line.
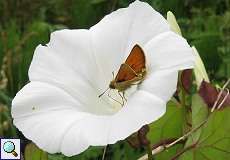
[132, 72]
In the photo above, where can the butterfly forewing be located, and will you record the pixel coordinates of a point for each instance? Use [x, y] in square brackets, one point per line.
[124, 74]
[135, 61]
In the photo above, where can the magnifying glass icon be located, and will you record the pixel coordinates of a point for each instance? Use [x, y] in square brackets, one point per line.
[9, 147]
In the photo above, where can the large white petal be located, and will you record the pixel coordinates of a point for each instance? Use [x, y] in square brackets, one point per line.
[52, 119]
[115, 35]
[71, 48]
[67, 62]
[142, 108]
[161, 83]
[168, 50]
[43, 113]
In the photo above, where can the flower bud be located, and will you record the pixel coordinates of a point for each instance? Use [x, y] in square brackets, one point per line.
[199, 69]
[173, 23]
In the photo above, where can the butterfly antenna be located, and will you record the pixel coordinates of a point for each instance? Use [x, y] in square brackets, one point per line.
[114, 99]
[103, 92]
[113, 74]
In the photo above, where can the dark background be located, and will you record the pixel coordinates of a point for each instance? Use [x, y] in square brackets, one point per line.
[26, 23]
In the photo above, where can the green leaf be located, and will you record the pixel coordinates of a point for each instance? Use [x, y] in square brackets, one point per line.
[5, 99]
[119, 151]
[199, 110]
[199, 114]
[207, 44]
[90, 153]
[87, 14]
[167, 127]
[123, 151]
[57, 157]
[97, 1]
[37, 33]
[12, 35]
[214, 140]
[32, 152]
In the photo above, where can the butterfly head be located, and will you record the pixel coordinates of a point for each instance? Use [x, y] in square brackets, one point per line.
[112, 84]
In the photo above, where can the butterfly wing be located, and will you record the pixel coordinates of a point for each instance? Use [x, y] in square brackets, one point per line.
[134, 64]
[136, 59]
[125, 73]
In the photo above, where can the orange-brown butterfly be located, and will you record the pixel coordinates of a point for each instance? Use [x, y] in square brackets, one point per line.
[131, 72]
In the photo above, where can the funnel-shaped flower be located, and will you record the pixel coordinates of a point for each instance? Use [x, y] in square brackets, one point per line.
[59, 110]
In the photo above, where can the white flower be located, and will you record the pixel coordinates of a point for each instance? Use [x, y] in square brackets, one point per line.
[59, 110]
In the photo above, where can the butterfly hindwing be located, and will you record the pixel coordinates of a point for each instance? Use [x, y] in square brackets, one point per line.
[134, 64]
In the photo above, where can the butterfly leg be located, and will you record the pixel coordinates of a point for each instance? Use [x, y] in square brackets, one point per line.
[122, 98]
[139, 80]
[136, 83]
[114, 99]
[123, 94]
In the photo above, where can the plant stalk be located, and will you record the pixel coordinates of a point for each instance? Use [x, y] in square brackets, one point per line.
[149, 150]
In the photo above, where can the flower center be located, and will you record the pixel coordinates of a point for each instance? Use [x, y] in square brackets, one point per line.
[115, 100]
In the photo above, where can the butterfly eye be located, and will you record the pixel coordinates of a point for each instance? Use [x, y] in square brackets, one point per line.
[111, 85]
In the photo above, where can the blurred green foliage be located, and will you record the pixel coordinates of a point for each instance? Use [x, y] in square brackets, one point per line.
[26, 23]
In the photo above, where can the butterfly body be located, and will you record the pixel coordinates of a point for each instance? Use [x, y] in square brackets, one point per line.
[122, 86]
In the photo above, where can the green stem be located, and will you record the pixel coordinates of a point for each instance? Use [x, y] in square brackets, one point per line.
[183, 97]
[149, 150]
[182, 90]
[184, 105]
